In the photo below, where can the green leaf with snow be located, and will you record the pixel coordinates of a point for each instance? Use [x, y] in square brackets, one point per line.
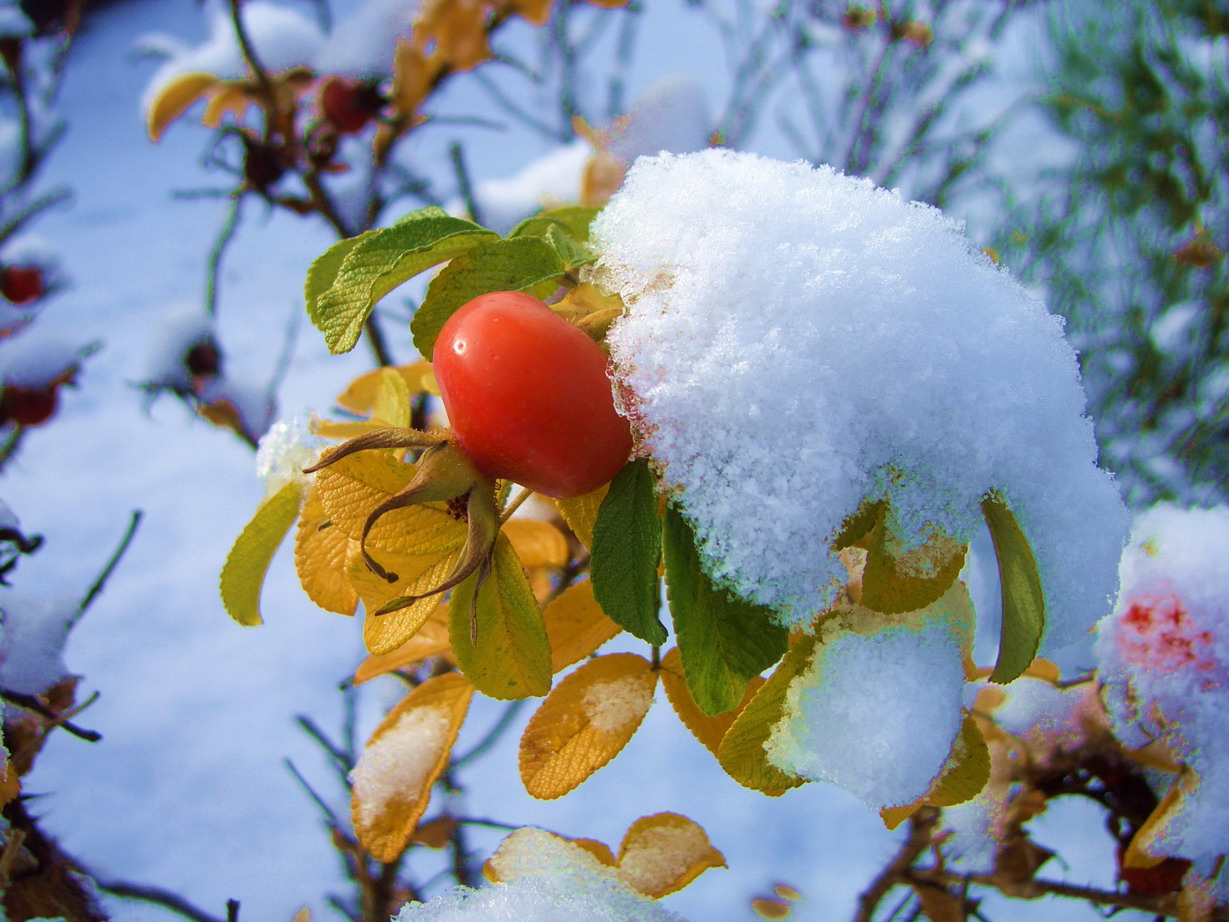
[626, 553]
[344, 284]
[243, 574]
[500, 639]
[529, 264]
[1024, 607]
[724, 640]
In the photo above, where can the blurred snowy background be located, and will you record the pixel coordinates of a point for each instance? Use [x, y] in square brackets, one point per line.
[189, 789]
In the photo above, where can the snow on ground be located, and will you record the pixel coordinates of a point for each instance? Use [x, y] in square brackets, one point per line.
[188, 790]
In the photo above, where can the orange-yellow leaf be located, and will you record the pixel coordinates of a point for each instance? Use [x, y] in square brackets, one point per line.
[392, 399]
[708, 730]
[537, 544]
[1139, 853]
[174, 98]
[580, 512]
[416, 575]
[322, 555]
[10, 783]
[229, 97]
[412, 77]
[350, 488]
[401, 762]
[359, 397]
[437, 833]
[430, 640]
[771, 909]
[243, 574]
[664, 853]
[458, 29]
[344, 429]
[535, 11]
[584, 723]
[576, 626]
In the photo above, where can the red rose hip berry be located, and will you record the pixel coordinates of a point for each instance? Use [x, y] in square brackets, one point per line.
[22, 284]
[528, 397]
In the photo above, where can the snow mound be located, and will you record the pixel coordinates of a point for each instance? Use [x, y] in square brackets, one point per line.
[1164, 661]
[548, 880]
[797, 340]
[33, 630]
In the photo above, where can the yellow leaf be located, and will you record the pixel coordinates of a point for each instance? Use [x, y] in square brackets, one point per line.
[437, 833]
[771, 909]
[350, 488]
[345, 429]
[499, 638]
[401, 762]
[1139, 853]
[585, 722]
[664, 853]
[430, 640]
[229, 97]
[741, 752]
[962, 777]
[459, 30]
[176, 95]
[322, 555]
[413, 75]
[896, 581]
[537, 544]
[535, 11]
[580, 512]
[10, 783]
[243, 574]
[708, 730]
[576, 625]
[359, 397]
[392, 399]
[416, 575]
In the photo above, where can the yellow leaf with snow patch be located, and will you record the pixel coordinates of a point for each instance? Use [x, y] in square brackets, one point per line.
[360, 394]
[580, 512]
[664, 853]
[709, 730]
[416, 575]
[1139, 853]
[243, 574]
[525, 850]
[537, 544]
[584, 723]
[322, 555]
[576, 625]
[962, 777]
[176, 95]
[392, 780]
[429, 640]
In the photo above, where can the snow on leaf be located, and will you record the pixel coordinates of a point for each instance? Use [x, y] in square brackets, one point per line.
[585, 722]
[708, 730]
[322, 555]
[406, 755]
[626, 553]
[537, 544]
[175, 97]
[724, 640]
[498, 637]
[386, 628]
[580, 512]
[514, 264]
[665, 852]
[429, 640]
[1024, 603]
[525, 851]
[897, 580]
[360, 394]
[243, 574]
[576, 625]
[376, 263]
[963, 777]
[742, 752]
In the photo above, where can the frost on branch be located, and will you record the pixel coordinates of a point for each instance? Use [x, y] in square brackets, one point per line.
[797, 340]
[1164, 663]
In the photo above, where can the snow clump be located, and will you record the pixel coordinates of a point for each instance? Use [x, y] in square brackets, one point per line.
[398, 761]
[797, 340]
[285, 450]
[546, 879]
[33, 631]
[1163, 659]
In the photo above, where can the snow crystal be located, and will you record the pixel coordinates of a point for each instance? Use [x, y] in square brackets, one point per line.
[283, 38]
[33, 630]
[797, 340]
[285, 449]
[614, 704]
[878, 708]
[398, 761]
[547, 880]
[1164, 661]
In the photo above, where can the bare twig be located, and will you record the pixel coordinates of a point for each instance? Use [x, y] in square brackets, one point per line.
[492, 737]
[158, 897]
[32, 703]
[225, 235]
[116, 555]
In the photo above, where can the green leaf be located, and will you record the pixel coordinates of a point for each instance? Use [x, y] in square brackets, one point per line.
[516, 264]
[724, 641]
[573, 219]
[572, 253]
[1024, 608]
[243, 574]
[361, 271]
[626, 551]
[741, 752]
[508, 654]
